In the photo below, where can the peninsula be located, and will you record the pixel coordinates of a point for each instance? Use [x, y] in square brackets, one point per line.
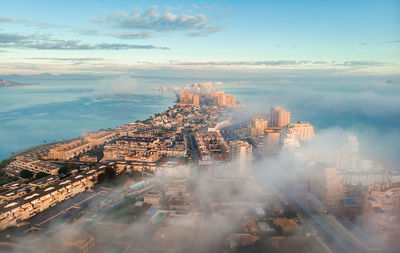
[6, 83]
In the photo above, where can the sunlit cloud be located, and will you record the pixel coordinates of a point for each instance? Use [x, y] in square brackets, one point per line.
[153, 20]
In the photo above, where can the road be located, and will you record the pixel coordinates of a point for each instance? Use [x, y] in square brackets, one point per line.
[228, 132]
[331, 232]
[193, 148]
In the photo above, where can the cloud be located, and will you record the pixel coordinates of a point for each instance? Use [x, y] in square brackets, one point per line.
[66, 59]
[43, 25]
[390, 42]
[153, 20]
[119, 85]
[132, 35]
[278, 63]
[248, 63]
[361, 63]
[206, 32]
[39, 42]
[6, 38]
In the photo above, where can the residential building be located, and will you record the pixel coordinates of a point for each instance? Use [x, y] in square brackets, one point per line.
[258, 126]
[271, 142]
[279, 117]
[241, 154]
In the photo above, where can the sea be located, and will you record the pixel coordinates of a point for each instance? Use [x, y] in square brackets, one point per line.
[58, 110]
[55, 109]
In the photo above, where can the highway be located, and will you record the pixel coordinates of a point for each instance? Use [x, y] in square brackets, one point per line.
[331, 232]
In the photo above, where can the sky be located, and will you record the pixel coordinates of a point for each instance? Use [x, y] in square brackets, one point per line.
[114, 37]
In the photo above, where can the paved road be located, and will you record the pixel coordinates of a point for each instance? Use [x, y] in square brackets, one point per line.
[193, 147]
[228, 132]
[332, 233]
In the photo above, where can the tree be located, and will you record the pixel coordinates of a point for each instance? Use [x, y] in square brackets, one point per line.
[26, 174]
[63, 170]
[110, 172]
[41, 175]
[5, 163]
[101, 177]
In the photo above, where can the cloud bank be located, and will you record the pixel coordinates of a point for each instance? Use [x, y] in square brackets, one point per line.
[9, 40]
[152, 19]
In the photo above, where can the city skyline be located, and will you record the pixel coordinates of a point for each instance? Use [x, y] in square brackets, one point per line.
[228, 126]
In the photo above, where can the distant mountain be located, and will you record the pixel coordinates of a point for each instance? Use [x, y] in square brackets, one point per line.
[5, 83]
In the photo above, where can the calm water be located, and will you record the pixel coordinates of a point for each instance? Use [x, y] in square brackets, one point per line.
[60, 109]
[55, 110]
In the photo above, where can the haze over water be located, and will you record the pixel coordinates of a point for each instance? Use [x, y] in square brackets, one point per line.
[62, 109]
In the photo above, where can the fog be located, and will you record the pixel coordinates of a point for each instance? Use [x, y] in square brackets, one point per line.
[368, 111]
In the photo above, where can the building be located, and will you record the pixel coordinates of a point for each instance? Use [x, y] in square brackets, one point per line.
[258, 126]
[175, 188]
[279, 117]
[271, 142]
[76, 242]
[69, 150]
[301, 131]
[327, 184]
[99, 138]
[24, 206]
[221, 99]
[212, 146]
[236, 240]
[382, 207]
[241, 153]
[367, 178]
[35, 165]
[188, 98]
[285, 226]
[179, 204]
[152, 197]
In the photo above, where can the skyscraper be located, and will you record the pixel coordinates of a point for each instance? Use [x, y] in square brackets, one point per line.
[188, 98]
[279, 117]
[271, 141]
[241, 153]
[327, 184]
[258, 126]
[296, 132]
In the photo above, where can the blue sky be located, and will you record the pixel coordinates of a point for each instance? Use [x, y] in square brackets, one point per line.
[118, 36]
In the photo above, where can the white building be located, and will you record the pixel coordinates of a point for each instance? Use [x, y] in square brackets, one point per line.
[241, 153]
[279, 117]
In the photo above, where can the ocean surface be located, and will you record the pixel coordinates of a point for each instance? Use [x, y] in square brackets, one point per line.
[60, 109]
[57, 110]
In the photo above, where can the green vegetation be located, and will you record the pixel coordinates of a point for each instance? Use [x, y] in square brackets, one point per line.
[63, 170]
[66, 168]
[96, 151]
[108, 129]
[26, 174]
[5, 163]
[41, 175]
[5, 180]
[110, 172]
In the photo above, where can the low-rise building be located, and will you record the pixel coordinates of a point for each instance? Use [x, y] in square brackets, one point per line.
[285, 226]
[152, 197]
[35, 165]
[35, 201]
